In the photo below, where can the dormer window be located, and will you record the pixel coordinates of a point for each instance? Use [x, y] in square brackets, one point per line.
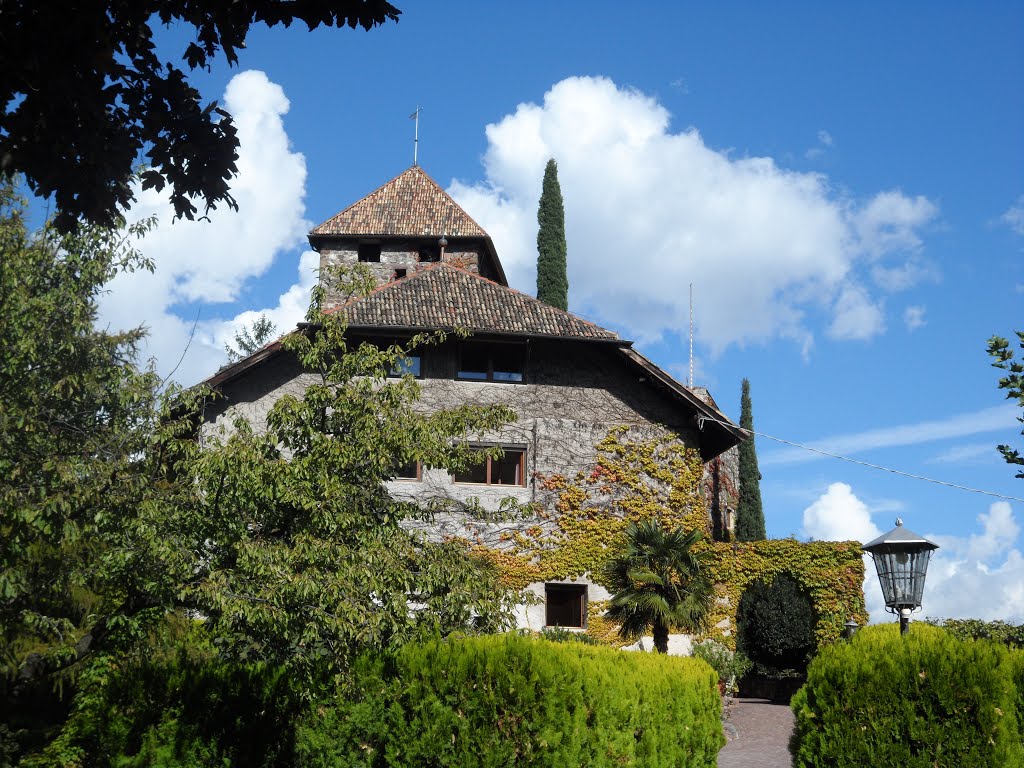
[479, 361]
[369, 253]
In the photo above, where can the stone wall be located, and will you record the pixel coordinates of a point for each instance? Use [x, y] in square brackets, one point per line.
[572, 395]
[394, 255]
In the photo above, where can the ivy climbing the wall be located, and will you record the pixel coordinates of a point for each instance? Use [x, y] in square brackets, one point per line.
[580, 521]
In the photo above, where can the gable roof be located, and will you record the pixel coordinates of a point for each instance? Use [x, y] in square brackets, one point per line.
[410, 205]
[444, 296]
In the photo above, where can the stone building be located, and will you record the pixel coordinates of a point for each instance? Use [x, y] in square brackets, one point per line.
[569, 380]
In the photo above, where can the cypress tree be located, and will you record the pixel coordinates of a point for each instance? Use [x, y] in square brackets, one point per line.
[552, 280]
[749, 514]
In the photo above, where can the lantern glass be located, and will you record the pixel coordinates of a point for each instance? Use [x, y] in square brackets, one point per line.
[901, 575]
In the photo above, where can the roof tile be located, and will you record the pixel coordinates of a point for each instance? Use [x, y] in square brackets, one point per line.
[411, 205]
[443, 296]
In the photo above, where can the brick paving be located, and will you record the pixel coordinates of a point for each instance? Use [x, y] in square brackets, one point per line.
[758, 733]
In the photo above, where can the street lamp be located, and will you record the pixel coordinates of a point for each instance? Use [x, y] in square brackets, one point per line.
[901, 559]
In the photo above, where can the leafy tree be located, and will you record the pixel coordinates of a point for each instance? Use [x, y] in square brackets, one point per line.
[1013, 383]
[79, 483]
[659, 582]
[552, 280]
[776, 623]
[113, 516]
[86, 93]
[251, 338]
[749, 514]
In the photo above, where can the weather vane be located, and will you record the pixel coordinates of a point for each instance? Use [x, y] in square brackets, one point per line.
[416, 137]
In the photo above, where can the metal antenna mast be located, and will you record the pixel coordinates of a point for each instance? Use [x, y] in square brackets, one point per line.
[691, 334]
[416, 139]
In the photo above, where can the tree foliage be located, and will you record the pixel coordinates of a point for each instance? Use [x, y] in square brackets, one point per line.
[86, 92]
[552, 278]
[250, 338]
[117, 512]
[1013, 382]
[749, 513]
[659, 582]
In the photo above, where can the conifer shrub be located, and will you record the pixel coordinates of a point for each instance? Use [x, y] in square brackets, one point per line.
[177, 705]
[511, 700]
[924, 700]
[776, 622]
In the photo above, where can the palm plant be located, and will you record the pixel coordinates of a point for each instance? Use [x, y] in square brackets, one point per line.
[659, 582]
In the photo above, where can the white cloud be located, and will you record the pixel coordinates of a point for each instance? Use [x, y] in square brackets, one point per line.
[913, 317]
[977, 576]
[825, 138]
[838, 515]
[992, 419]
[771, 252]
[1014, 216]
[824, 142]
[856, 316]
[971, 453]
[209, 262]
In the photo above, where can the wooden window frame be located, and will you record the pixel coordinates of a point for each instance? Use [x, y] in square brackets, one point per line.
[579, 590]
[488, 464]
[416, 479]
[489, 348]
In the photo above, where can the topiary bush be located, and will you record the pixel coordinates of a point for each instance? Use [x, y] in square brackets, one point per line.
[926, 700]
[775, 623]
[511, 700]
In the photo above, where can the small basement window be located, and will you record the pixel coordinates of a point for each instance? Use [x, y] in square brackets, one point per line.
[369, 252]
[565, 605]
[492, 362]
[507, 469]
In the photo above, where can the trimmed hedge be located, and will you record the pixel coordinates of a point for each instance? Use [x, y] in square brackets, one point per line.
[510, 700]
[925, 700]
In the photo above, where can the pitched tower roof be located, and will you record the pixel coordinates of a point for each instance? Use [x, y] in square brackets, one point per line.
[410, 205]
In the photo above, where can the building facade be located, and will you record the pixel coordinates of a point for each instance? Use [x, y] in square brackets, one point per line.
[569, 381]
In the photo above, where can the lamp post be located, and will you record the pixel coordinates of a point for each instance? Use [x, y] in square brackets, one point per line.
[901, 559]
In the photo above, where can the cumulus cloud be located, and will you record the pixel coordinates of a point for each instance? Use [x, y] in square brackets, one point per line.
[980, 575]
[838, 515]
[913, 317]
[772, 253]
[204, 263]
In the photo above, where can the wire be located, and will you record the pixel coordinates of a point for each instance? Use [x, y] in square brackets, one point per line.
[702, 419]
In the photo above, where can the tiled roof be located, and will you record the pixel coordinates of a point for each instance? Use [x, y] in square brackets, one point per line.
[443, 296]
[412, 204]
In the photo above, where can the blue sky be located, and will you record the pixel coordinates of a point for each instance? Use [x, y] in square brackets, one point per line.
[843, 185]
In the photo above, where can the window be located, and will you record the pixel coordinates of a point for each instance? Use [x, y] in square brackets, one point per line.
[430, 253]
[411, 364]
[411, 470]
[492, 362]
[566, 605]
[399, 274]
[507, 469]
[369, 252]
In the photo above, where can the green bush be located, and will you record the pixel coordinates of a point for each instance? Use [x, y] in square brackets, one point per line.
[775, 623]
[1010, 635]
[729, 665]
[926, 700]
[176, 708]
[511, 700]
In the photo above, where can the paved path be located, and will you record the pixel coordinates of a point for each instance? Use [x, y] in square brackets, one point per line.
[758, 736]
